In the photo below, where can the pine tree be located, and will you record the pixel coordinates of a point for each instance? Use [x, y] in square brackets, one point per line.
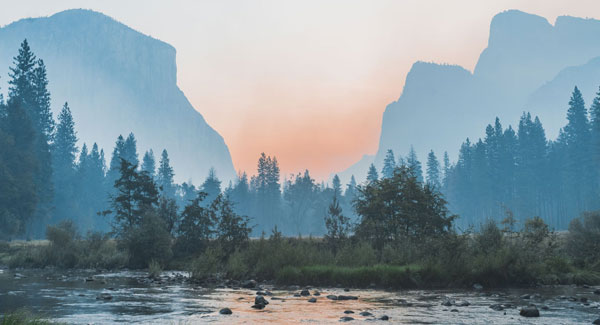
[414, 164]
[595, 146]
[164, 177]
[577, 136]
[433, 171]
[19, 193]
[115, 163]
[211, 186]
[337, 186]
[389, 164]
[149, 164]
[129, 152]
[372, 175]
[28, 86]
[64, 151]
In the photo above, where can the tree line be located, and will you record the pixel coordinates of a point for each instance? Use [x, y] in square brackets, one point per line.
[520, 173]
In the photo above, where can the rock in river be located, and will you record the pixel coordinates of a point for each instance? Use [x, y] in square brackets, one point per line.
[346, 319]
[332, 297]
[530, 311]
[312, 300]
[347, 297]
[225, 311]
[305, 293]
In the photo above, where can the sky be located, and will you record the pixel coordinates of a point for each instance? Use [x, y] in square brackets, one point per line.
[306, 81]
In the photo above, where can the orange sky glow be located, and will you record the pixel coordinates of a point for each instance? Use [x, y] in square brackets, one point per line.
[306, 81]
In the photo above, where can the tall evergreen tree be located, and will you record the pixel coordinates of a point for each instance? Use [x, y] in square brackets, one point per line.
[337, 186]
[149, 164]
[211, 186]
[129, 152]
[414, 164]
[18, 166]
[164, 177]
[372, 175]
[433, 171]
[64, 150]
[28, 86]
[389, 164]
[577, 135]
[595, 145]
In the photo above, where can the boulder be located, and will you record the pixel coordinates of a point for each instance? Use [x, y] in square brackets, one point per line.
[313, 300]
[258, 306]
[462, 303]
[347, 297]
[477, 286]
[529, 311]
[366, 313]
[316, 293]
[597, 292]
[497, 307]
[348, 312]
[260, 300]
[596, 322]
[384, 317]
[332, 297]
[305, 293]
[454, 310]
[448, 303]
[525, 296]
[346, 319]
[225, 311]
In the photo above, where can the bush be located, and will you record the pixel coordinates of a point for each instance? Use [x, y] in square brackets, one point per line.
[583, 240]
[236, 266]
[154, 269]
[148, 241]
[361, 254]
[207, 264]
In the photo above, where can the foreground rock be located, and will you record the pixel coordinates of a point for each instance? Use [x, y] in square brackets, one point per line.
[347, 297]
[305, 293]
[225, 311]
[313, 300]
[384, 317]
[346, 319]
[530, 311]
[260, 302]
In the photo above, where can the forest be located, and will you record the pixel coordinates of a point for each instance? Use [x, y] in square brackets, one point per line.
[488, 218]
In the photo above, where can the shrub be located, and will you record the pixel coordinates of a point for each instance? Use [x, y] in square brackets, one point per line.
[148, 241]
[154, 269]
[206, 264]
[583, 240]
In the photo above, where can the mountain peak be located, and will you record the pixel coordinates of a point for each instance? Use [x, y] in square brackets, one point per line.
[514, 27]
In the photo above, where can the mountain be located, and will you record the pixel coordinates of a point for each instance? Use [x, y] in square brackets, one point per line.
[528, 64]
[118, 81]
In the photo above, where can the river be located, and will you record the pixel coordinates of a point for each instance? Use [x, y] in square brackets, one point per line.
[92, 297]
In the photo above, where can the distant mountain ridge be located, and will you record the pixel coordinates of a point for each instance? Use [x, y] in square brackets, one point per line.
[118, 80]
[526, 61]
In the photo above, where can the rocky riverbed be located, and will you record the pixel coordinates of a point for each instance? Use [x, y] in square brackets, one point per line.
[95, 297]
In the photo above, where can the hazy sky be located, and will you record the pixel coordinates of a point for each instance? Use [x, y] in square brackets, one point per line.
[306, 81]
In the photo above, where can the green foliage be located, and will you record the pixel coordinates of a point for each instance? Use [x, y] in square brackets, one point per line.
[154, 269]
[338, 226]
[400, 207]
[583, 240]
[23, 317]
[148, 241]
[207, 264]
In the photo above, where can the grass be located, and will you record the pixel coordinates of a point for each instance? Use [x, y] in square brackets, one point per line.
[23, 317]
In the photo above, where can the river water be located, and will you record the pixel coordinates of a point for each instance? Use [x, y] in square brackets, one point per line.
[72, 297]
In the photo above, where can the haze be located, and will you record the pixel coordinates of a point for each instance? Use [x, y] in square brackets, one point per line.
[306, 81]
